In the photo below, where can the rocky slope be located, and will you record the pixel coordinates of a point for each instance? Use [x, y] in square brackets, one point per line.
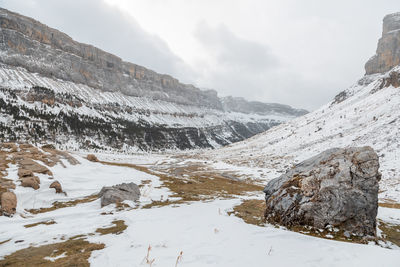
[54, 88]
[366, 114]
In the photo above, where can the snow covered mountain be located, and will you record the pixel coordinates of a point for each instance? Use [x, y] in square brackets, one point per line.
[55, 89]
[366, 114]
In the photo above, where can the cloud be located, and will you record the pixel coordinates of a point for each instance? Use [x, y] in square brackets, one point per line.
[240, 67]
[99, 24]
[234, 52]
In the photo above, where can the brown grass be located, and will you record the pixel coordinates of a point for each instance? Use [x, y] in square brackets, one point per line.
[251, 211]
[77, 253]
[392, 205]
[118, 227]
[65, 204]
[390, 232]
[196, 186]
[5, 241]
[39, 223]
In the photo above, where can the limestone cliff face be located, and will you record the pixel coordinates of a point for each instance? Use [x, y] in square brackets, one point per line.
[388, 52]
[25, 42]
[239, 104]
[54, 89]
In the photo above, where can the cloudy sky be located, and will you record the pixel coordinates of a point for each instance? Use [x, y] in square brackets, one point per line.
[295, 52]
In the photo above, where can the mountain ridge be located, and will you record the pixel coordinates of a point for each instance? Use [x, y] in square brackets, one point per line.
[55, 89]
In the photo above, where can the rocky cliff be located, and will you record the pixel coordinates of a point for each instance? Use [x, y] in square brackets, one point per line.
[239, 104]
[28, 43]
[53, 88]
[388, 52]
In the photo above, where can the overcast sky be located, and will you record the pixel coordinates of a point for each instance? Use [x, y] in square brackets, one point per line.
[295, 52]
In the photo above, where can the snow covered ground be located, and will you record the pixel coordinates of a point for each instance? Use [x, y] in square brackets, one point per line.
[203, 231]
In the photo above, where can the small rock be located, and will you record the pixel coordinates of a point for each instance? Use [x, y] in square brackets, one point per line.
[119, 193]
[48, 146]
[8, 203]
[57, 186]
[31, 181]
[24, 172]
[92, 158]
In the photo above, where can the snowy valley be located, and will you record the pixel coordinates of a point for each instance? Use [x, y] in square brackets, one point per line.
[201, 167]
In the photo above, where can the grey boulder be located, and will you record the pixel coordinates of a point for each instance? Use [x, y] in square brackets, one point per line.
[119, 193]
[337, 188]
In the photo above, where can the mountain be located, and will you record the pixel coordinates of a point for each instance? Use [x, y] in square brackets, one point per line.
[53, 88]
[366, 114]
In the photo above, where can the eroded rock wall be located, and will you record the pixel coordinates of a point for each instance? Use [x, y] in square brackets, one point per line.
[388, 52]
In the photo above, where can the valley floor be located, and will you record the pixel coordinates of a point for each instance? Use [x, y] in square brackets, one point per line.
[185, 217]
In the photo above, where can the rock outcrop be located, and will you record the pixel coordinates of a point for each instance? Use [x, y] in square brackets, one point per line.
[388, 52]
[92, 158]
[57, 186]
[337, 188]
[119, 193]
[31, 181]
[8, 203]
[41, 49]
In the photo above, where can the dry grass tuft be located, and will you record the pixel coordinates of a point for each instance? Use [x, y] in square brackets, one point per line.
[39, 223]
[392, 205]
[390, 232]
[147, 259]
[251, 211]
[179, 259]
[77, 253]
[118, 227]
[5, 241]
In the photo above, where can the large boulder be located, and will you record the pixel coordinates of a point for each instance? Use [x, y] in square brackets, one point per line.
[119, 193]
[335, 189]
[8, 203]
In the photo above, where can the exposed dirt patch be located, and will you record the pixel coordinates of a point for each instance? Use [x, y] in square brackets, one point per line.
[118, 227]
[60, 205]
[75, 252]
[39, 223]
[251, 211]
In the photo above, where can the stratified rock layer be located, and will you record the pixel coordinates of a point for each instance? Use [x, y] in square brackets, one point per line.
[337, 188]
[94, 99]
[44, 50]
[388, 52]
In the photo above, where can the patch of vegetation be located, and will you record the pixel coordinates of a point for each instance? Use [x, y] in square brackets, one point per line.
[39, 223]
[251, 211]
[118, 227]
[65, 204]
[392, 205]
[76, 252]
[5, 241]
[390, 232]
[196, 186]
